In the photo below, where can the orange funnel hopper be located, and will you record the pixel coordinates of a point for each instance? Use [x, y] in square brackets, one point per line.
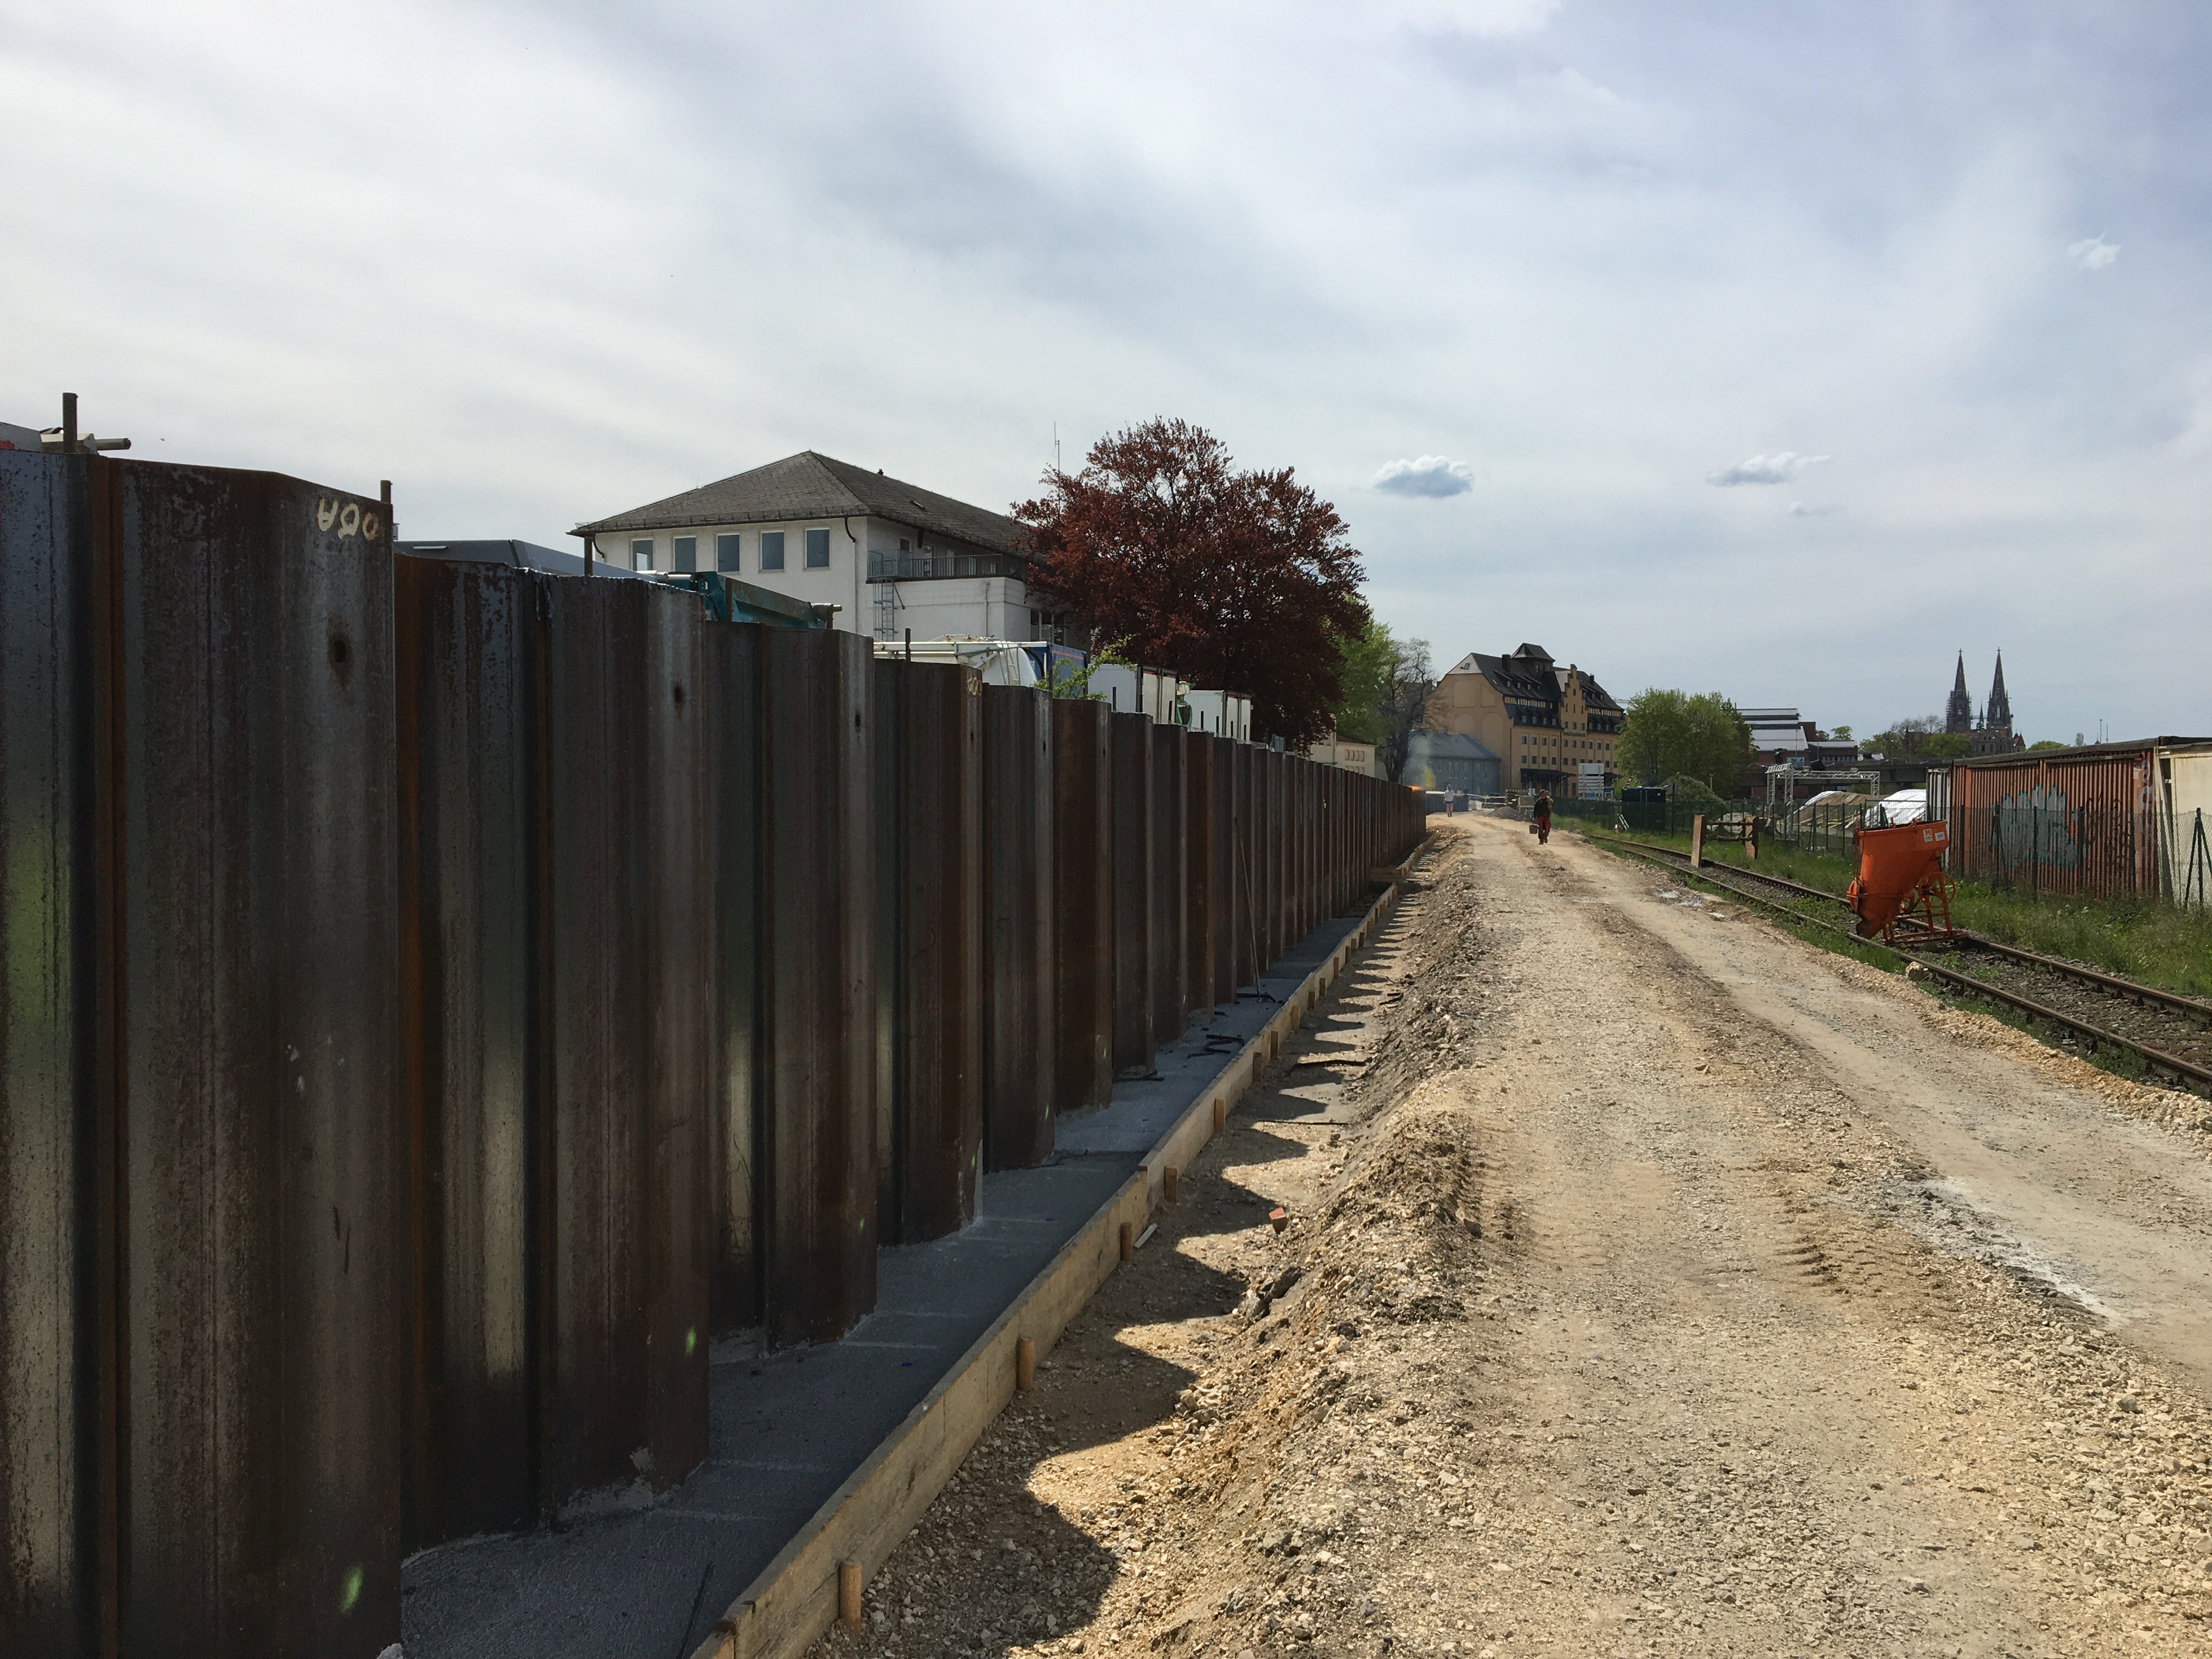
[1894, 867]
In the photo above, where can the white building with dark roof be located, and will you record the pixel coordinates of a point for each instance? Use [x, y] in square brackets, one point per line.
[892, 556]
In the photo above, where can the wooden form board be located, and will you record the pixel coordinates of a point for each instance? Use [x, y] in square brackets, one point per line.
[795, 1599]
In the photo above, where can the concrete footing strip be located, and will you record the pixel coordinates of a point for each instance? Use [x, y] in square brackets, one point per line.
[795, 1599]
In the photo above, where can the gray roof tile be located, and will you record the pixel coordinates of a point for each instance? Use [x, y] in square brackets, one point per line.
[811, 486]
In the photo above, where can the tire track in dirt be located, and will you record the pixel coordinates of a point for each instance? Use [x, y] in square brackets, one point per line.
[1609, 1324]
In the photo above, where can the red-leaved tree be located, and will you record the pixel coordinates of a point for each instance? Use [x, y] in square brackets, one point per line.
[1237, 581]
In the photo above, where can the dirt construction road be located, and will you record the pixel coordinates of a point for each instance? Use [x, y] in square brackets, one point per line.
[1657, 1285]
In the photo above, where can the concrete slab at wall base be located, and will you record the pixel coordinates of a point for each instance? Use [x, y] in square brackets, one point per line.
[795, 1599]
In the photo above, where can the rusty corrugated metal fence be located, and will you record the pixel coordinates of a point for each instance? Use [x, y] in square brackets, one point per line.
[440, 999]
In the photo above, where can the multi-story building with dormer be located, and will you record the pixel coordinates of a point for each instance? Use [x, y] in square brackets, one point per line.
[1548, 727]
[892, 557]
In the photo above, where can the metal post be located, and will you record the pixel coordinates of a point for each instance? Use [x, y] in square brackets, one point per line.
[69, 422]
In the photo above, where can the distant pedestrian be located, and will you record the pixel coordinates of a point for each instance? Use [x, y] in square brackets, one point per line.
[1543, 810]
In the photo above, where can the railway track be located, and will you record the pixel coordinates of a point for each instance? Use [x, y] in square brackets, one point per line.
[2170, 1034]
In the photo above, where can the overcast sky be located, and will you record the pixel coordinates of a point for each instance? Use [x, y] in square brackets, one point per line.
[1776, 349]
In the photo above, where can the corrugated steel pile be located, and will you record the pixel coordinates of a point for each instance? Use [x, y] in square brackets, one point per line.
[2101, 821]
[436, 999]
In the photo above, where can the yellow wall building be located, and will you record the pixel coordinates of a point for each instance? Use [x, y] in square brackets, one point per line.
[1545, 721]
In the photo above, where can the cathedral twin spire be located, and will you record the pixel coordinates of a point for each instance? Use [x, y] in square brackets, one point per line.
[1997, 713]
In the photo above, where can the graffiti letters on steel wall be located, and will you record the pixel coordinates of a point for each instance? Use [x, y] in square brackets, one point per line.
[347, 518]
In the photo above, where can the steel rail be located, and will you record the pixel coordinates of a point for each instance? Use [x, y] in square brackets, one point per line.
[2174, 1063]
[2191, 1006]
[1796, 887]
[2128, 987]
[2153, 1056]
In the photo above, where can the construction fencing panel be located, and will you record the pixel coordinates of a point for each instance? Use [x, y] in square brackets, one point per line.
[1018, 963]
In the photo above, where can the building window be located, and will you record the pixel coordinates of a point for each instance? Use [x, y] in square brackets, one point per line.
[818, 550]
[640, 553]
[771, 549]
[683, 555]
[726, 552]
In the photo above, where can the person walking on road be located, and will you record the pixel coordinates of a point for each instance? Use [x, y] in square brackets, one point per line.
[1543, 811]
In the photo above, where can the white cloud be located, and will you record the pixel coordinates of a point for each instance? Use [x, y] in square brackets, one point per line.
[1597, 253]
[1814, 510]
[1432, 475]
[1774, 469]
[2092, 254]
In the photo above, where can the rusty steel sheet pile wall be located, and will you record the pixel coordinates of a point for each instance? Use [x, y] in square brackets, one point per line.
[1170, 1007]
[817, 1183]
[1133, 878]
[1083, 939]
[557, 968]
[442, 997]
[731, 675]
[929, 918]
[468, 650]
[1198, 904]
[1019, 1004]
[1228, 862]
[57, 1130]
[2077, 823]
[626, 1097]
[259, 905]
[263, 1160]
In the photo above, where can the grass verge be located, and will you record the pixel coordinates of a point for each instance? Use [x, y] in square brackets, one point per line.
[2146, 940]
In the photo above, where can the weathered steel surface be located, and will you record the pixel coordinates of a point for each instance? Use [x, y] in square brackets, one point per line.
[1168, 829]
[817, 941]
[627, 1102]
[732, 698]
[55, 1554]
[1017, 851]
[1228, 865]
[890, 765]
[932, 905]
[265, 1134]
[1198, 871]
[1083, 944]
[2068, 824]
[1251, 811]
[467, 669]
[1133, 894]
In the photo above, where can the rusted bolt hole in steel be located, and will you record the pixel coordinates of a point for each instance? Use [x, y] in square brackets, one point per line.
[341, 651]
[675, 690]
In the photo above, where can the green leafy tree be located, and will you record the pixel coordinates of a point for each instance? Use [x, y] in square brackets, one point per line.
[1921, 737]
[1388, 684]
[1370, 658]
[1671, 734]
[2046, 742]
